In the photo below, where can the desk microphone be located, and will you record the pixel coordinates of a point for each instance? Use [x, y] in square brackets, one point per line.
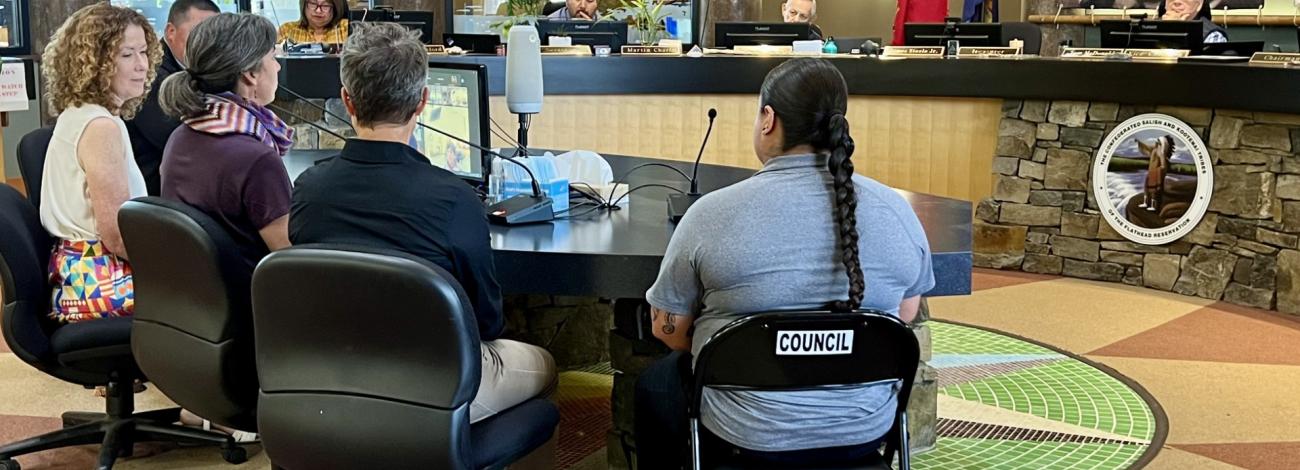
[519, 209]
[679, 203]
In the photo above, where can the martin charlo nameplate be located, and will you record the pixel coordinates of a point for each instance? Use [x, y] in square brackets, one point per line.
[1152, 179]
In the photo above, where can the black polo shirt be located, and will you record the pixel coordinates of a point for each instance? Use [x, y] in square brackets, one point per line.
[388, 195]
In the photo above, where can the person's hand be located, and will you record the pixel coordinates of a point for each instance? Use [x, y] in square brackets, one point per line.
[583, 15]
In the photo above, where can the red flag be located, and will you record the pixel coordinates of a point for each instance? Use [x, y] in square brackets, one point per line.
[917, 11]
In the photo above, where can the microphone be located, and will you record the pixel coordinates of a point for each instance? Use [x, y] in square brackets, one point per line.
[679, 203]
[516, 210]
[524, 90]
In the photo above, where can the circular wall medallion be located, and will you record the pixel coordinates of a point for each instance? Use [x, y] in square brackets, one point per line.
[1152, 179]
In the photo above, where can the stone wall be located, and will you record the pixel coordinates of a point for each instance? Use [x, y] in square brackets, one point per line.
[1043, 219]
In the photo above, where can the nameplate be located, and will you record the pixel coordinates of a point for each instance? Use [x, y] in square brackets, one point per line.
[652, 50]
[567, 50]
[437, 49]
[914, 51]
[1157, 54]
[977, 52]
[1089, 52]
[764, 49]
[1096, 53]
[814, 342]
[1275, 58]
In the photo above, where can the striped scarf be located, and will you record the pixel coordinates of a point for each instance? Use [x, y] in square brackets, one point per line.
[229, 113]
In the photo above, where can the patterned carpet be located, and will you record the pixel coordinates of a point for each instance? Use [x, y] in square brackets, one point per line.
[1225, 376]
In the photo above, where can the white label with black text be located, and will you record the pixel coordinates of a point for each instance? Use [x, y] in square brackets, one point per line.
[814, 343]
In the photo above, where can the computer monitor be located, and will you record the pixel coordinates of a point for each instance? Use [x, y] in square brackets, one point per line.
[966, 34]
[586, 33]
[1143, 34]
[472, 43]
[458, 105]
[1233, 48]
[377, 15]
[732, 34]
[421, 21]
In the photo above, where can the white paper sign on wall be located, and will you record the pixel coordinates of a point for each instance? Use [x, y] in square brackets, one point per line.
[13, 86]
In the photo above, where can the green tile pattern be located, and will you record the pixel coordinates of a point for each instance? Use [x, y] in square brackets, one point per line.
[957, 339]
[985, 454]
[1066, 390]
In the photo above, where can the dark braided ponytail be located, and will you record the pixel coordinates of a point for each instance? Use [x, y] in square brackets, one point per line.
[810, 98]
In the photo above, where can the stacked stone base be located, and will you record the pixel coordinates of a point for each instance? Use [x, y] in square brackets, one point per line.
[1042, 218]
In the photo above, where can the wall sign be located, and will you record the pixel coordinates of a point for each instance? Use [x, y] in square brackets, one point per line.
[13, 86]
[1152, 179]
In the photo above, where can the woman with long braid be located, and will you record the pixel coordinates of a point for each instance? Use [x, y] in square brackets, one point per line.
[787, 238]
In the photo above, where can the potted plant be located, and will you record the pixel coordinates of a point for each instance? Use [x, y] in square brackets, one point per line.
[645, 17]
[519, 12]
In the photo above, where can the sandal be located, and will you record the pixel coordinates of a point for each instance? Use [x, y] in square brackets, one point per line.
[241, 437]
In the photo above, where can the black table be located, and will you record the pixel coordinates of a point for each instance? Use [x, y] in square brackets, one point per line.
[617, 254]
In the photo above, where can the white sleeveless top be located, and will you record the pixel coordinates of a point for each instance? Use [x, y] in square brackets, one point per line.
[65, 198]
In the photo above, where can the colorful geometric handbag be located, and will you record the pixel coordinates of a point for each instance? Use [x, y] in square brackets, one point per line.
[89, 283]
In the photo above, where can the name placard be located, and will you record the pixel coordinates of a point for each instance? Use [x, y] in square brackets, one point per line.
[436, 49]
[1283, 59]
[914, 51]
[977, 52]
[764, 49]
[579, 50]
[672, 50]
[1132, 54]
[1089, 52]
[1157, 54]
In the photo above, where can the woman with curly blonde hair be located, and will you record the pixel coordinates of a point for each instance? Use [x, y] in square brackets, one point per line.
[97, 69]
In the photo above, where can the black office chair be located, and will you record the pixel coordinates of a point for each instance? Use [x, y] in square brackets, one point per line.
[743, 356]
[370, 359]
[31, 161]
[1030, 33]
[193, 333]
[90, 353]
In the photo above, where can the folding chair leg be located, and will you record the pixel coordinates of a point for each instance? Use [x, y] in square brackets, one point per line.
[695, 444]
[904, 446]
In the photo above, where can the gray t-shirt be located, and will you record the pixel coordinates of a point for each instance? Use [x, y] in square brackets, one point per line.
[769, 243]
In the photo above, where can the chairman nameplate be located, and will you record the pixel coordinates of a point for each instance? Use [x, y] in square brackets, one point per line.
[661, 51]
[578, 50]
[981, 52]
[436, 49]
[914, 51]
[1283, 59]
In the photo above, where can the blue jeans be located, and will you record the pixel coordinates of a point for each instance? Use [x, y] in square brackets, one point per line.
[663, 435]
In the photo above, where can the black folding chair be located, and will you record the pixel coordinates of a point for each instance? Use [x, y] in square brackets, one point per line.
[770, 351]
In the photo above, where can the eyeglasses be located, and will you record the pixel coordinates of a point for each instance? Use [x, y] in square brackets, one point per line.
[319, 6]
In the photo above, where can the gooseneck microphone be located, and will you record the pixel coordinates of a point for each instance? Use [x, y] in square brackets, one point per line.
[679, 203]
[516, 210]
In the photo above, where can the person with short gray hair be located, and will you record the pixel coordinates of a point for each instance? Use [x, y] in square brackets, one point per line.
[381, 192]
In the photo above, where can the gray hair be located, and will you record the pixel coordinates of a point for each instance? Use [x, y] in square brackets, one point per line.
[219, 51]
[383, 67]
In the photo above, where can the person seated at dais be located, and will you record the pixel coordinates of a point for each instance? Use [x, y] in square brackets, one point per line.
[575, 10]
[381, 192]
[787, 238]
[801, 11]
[322, 22]
[1193, 10]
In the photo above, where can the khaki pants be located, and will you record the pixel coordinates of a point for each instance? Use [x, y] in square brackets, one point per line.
[513, 372]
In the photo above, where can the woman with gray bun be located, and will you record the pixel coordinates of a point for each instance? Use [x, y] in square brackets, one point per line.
[225, 158]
